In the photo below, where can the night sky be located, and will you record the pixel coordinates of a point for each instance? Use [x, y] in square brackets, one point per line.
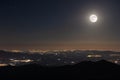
[59, 24]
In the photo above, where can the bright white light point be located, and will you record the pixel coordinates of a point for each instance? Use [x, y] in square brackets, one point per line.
[93, 18]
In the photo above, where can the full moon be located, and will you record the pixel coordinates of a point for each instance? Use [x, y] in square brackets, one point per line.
[93, 18]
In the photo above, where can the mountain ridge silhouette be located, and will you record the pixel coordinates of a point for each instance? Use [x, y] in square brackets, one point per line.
[84, 70]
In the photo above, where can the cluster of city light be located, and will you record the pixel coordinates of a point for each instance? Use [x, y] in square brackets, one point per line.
[117, 61]
[94, 55]
[115, 55]
[25, 60]
[14, 50]
[3, 65]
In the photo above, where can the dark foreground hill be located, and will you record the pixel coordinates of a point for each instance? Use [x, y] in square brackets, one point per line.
[82, 71]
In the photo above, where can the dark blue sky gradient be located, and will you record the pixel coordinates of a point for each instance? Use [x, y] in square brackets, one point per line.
[59, 24]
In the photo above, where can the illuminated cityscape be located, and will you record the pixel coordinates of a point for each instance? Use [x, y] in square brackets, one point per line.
[56, 58]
